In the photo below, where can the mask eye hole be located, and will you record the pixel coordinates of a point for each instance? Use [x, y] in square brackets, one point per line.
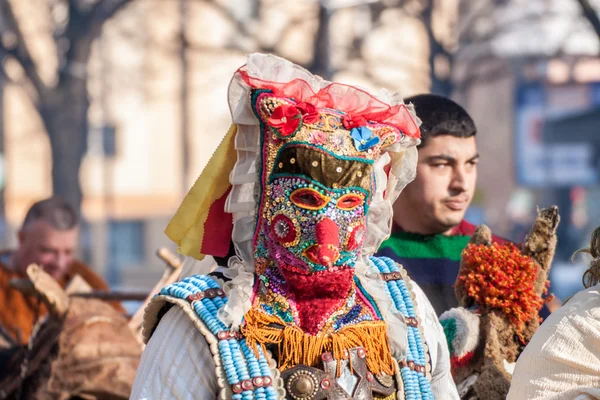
[350, 201]
[309, 199]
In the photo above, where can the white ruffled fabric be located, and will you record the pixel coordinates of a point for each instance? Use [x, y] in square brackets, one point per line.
[239, 291]
[243, 199]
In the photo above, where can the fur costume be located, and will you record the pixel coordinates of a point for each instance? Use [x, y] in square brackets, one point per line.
[500, 290]
[82, 349]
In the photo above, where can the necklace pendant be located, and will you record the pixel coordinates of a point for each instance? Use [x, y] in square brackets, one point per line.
[309, 383]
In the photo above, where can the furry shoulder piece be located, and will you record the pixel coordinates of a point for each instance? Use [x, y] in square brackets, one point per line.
[500, 289]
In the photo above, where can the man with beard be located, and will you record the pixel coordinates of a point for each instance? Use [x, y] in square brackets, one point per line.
[49, 238]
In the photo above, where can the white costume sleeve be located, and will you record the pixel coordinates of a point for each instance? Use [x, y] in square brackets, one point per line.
[442, 384]
[177, 363]
[562, 361]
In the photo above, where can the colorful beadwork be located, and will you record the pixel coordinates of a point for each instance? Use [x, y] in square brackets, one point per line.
[250, 376]
[414, 368]
[318, 152]
[316, 186]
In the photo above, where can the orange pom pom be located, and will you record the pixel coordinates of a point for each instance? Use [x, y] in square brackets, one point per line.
[500, 277]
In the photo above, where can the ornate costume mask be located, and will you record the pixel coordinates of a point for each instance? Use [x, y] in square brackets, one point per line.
[306, 202]
[317, 178]
[310, 193]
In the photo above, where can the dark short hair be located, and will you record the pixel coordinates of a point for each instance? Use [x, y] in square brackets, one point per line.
[441, 116]
[55, 211]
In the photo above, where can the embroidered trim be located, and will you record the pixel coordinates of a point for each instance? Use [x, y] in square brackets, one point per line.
[252, 384]
[413, 366]
[208, 294]
[229, 334]
[391, 276]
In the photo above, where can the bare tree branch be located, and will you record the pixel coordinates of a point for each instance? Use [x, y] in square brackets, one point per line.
[468, 37]
[25, 83]
[83, 27]
[562, 42]
[19, 50]
[321, 63]
[239, 26]
[105, 10]
[492, 75]
[591, 14]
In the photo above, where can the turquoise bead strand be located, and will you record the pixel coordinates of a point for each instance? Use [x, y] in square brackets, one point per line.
[416, 384]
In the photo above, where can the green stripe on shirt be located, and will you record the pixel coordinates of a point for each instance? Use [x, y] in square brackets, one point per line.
[412, 245]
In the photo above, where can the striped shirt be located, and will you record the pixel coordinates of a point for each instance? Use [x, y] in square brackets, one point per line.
[432, 261]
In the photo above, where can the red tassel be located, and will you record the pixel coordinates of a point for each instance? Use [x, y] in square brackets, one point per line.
[457, 362]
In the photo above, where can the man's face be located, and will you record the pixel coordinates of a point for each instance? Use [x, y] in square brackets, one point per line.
[50, 248]
[438, 198]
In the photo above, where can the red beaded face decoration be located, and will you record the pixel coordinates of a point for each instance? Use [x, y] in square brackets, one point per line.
[317, 183]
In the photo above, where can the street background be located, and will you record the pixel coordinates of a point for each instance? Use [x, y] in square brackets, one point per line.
[117, 105]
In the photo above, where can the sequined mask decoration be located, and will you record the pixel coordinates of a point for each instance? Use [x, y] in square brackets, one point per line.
[317, 183]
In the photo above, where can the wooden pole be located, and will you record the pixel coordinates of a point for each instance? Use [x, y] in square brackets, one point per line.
[171, 275]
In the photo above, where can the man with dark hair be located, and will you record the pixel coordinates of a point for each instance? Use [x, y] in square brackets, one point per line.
[48, 237]
[429, 230]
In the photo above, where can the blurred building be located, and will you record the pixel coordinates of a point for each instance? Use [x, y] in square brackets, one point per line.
[158, 84]
[529, 73]
[527, 70]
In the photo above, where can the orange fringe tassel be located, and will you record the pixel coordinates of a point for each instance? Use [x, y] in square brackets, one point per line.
[297, 347]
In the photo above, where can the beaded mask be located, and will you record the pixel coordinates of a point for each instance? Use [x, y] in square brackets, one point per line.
[310, 192]
[317, 182]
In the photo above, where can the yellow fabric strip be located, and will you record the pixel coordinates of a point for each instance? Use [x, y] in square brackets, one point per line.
[186, 228]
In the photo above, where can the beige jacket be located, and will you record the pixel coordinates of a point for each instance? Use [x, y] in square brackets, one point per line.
[562, 361]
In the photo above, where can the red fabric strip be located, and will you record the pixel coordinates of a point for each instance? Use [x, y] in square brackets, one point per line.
[345, 98]
[217, 229]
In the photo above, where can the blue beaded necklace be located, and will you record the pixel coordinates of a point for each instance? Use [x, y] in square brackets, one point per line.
[249, 376]
[416, 384]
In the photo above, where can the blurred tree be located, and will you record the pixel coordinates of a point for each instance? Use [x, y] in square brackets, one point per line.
[515, 32]
[60, 95]
[590, 12]
[440, 53]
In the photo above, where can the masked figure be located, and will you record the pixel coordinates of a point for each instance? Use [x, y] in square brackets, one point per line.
[303, 185]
